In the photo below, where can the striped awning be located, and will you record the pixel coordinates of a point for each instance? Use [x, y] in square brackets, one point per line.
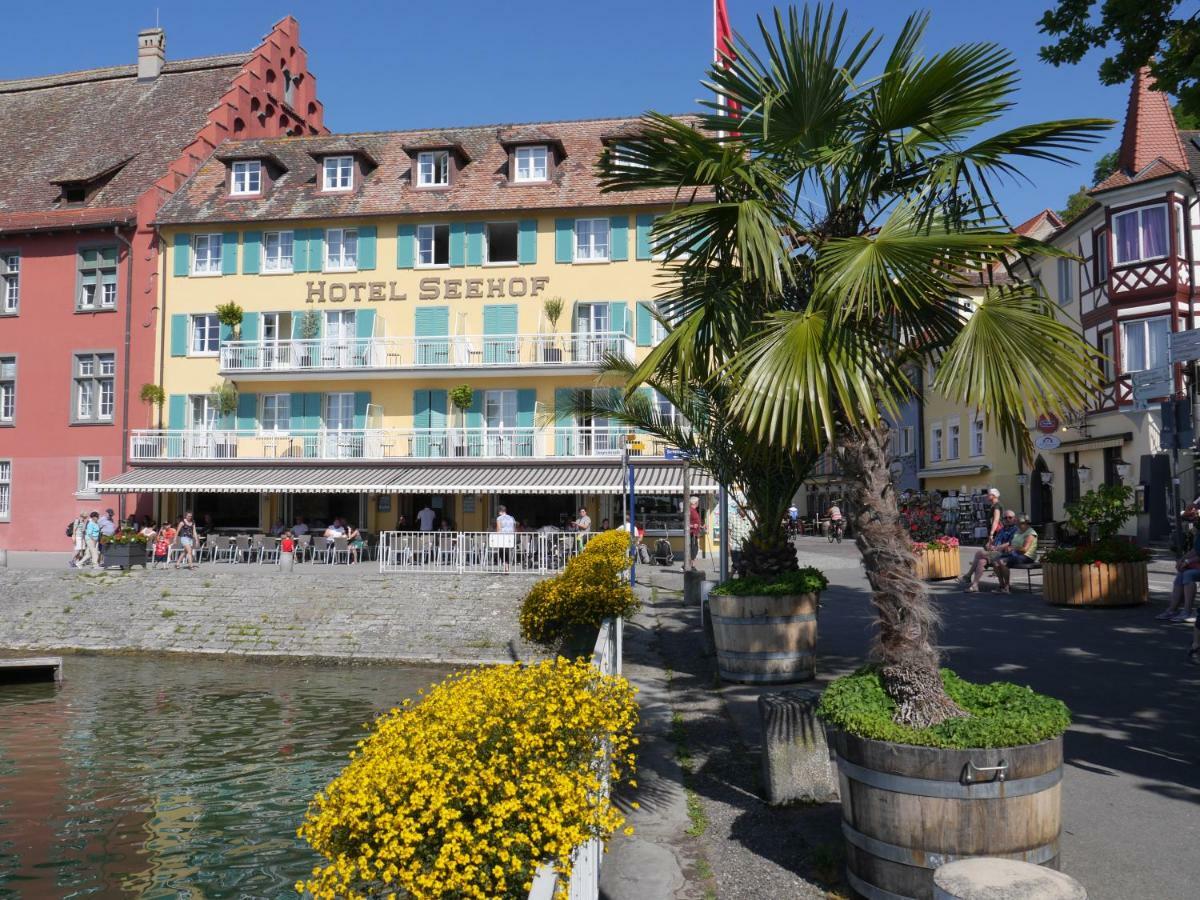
[496, 478]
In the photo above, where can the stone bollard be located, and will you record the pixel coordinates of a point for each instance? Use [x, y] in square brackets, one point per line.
[3, 559]
[990, 878]
[286, 561]
[692, 579]
[795, 754]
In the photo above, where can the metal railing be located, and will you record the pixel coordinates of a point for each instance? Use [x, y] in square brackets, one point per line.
[449, 351]
[478, 552]
[588, 857]
[578, 441]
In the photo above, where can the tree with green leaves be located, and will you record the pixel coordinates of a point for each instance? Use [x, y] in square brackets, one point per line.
[1157, 32]
[826, 226]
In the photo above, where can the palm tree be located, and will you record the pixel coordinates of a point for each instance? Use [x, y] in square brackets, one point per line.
[828, 224]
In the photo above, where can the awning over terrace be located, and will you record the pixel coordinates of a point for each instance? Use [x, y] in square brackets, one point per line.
[449, 478]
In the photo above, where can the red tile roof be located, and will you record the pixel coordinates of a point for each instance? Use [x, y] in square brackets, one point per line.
[73, 217]
[1150, 131]
[1047, 220]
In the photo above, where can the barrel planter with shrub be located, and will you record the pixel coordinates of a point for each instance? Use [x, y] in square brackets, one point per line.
[1112, 573]
[765, 630]
[938, 559]
[914, 799]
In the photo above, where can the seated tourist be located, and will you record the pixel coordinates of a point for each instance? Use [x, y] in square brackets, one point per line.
[1022, 549]
[991, 551]
[356, 542]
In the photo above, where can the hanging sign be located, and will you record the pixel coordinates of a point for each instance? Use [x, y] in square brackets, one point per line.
[1048, 442]
[1184, 346]
[1048, 423]
[1152, 383]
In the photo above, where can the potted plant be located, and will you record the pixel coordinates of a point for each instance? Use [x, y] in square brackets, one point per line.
[230, 315]
[152, 395]
[461, 398]
[126, 548]
[936, 553]
[552, 307]
[225, 401]
[1107, 569]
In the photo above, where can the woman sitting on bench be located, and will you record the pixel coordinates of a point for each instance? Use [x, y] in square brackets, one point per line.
[1023, 552]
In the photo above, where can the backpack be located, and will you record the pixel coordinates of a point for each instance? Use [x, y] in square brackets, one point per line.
[71, 530]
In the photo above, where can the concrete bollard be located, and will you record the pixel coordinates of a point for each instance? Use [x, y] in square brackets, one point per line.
[692, 579]
[796, 763]
[286, 561]
[3, 559]
[990, 878]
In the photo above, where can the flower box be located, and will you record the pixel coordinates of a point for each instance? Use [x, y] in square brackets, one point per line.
[938, 564]
[125, 555]
[1095, 583]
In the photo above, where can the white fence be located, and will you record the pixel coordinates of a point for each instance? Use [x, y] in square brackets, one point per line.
[587, 858]
[477, 552]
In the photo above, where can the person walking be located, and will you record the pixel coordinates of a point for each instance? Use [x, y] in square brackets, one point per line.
[187, 540]
[506, 525]
[78, 534]
[425, 518]
[91, 533]
[695, 526]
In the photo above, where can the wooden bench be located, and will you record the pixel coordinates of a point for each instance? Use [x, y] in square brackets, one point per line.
[1029, 568]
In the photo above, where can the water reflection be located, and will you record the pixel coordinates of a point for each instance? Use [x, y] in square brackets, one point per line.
[160, 777]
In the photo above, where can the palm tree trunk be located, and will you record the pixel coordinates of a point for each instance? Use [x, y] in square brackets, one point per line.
[908, 620]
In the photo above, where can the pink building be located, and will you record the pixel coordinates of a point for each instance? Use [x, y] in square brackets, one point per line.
[89, 159]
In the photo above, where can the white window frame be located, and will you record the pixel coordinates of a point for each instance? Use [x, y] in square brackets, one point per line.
[1142, 325]
[86, 486]
[953, 438]
[428, 234]
[1139, 215]
[207, 406]
[978, 438]
[1108, 364]
[210, 244]
[10, 281]
[935, 442]
[104, 280]
[282, 260]
[1100, 270]
[903, 436]
[666, 410]
[341, 400]
[206, 327]
[93, 392]
[1065, 290]
[246, 178]
[527, 164]
[337, 173]
[8, 390]
[5, 490]
[487, 245]
[433, 168]
[343, 237]
[504, 399]
[587, 233]
[279, 418]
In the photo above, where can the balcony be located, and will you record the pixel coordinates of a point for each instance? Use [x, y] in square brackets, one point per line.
[253, 445]
[421, 356]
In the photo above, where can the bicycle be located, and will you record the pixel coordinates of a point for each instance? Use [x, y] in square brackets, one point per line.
[836, 527]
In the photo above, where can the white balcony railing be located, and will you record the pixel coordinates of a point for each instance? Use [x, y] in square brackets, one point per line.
[580, 441]
[457, 351]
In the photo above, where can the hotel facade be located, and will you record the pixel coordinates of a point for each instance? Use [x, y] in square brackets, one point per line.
[381, 278]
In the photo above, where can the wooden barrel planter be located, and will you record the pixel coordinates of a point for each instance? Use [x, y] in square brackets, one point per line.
[907, 810]
[938, 565]
[765, 640]
[1095, 584]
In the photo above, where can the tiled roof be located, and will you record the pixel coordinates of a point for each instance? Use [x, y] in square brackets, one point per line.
[80, 124]
[480, 185]
[73, 217]
[1150, 131]
[1046, 222]
[1191, 146]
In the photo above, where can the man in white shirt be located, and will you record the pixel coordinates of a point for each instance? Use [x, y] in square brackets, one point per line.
[505, 524]
[425, 518]
[301, 527]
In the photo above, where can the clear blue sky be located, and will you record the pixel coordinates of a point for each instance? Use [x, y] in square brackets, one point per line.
[411, 64]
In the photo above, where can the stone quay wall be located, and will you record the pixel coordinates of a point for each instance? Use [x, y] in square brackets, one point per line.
[448, 619]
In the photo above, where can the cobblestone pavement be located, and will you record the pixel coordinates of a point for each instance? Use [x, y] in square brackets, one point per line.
[347, 612]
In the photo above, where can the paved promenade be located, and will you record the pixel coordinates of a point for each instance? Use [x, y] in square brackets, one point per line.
[1131, 793]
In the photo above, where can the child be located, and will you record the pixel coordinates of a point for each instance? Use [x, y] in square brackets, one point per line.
[162, 546]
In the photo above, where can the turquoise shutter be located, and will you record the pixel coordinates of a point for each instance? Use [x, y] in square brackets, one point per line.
[251, 251]
[564, 438]
[250, 326]
[526, 402]
[300, 250]
[642, 248]
[229, 253]
[618, 238]
[527, 242]
[475, 413]
[644, 329]
[226, 331]
[564, 240]
[420, 423]
[438, 401]
[366, 248]
[182, 257]
[474, 243]
[362, 399]
[316, 249]
[457, 243]
[364, 324]
[499, 319]
[405, 246]
[432, 322]
[617, 318]
[247, 412]
[176, 412]
[296, 402]
[179, 334]
[313, 410]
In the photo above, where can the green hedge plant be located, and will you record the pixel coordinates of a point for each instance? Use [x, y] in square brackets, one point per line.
[802, 581]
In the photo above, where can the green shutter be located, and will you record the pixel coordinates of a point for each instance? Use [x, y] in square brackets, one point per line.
[312, 410]
[297, 411]
[475, 413]
[564, 438]
[176, 412]
[300, 250]
[251, 251]
[364, 324]
[405, 246]
[618, 238]
[420, 414]
[564, 240]
[438, 408]
[645, 324]
[316, 249]
[499, 319]
[474, 243]
[247, 412]
[182, 257]
[179, 334]
[432, 322]
[645, 224]
[527, 242]
[362, 399]
[250, 323]
[618, 317]
[457, 243]
[229, 253]
[526, 402]
[366, 248]
[225, 333]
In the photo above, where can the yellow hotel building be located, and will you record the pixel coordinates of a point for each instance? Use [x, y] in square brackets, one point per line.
[377, 273]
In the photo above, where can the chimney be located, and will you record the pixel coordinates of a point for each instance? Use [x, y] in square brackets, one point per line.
[152, 51]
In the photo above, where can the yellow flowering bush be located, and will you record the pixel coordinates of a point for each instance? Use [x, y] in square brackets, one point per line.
[588, 590]
[466, 793]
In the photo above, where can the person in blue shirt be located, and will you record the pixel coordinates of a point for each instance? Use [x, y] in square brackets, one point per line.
[91, 540]
[992, 551]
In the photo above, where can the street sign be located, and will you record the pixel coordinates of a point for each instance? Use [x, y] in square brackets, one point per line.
[676, 454]
[1152, 383]
[1047, 423]
[1047, 442]
[1184, 346]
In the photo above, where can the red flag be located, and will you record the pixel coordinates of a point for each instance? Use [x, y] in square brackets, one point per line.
[723, 47]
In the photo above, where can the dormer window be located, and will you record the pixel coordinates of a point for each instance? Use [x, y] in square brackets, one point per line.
[1140, 234]
[532, 163]
[247, 178]
[433, 168]
[338, 173]
[75, 193]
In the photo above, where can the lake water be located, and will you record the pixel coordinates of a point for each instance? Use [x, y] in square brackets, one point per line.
[161, 777]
